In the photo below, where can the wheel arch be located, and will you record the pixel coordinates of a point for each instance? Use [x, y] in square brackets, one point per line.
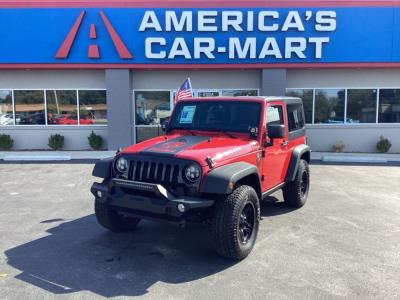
[102, 168]
[253, 181]
[224, 179]
[299, 152]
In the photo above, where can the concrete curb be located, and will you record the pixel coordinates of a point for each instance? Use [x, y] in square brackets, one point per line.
[48, 156]
[54, 155]
[354, 159]
[372, 158]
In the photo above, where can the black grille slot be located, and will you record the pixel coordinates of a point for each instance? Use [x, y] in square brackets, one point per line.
[138, 171]
[175, 174]
[145, 172]
[154, 172]
[159, 172]
[167, 175]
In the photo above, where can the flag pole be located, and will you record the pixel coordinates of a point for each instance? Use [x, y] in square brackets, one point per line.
[191, 89]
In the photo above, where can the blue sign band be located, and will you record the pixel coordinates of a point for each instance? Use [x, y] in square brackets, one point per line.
[213, 36]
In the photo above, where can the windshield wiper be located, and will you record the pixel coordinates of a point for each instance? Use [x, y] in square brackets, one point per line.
[182, 128]
[223, 131]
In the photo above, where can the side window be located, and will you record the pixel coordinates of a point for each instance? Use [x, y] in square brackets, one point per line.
[274, 115]
[295, 117]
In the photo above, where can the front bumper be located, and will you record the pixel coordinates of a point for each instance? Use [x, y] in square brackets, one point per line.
[147, 200]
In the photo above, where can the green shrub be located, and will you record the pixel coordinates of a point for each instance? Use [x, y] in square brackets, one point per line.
[6, 142]
[56, 141]
[95, 141]
[338, 147]
[383, 145]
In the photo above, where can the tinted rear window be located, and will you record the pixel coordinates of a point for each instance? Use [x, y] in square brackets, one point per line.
[295, 116]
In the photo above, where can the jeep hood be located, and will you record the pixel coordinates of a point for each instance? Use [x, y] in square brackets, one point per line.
[194, 147]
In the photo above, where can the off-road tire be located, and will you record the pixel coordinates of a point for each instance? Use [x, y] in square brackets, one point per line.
[226, 234]
[293, 193]
[111, 220]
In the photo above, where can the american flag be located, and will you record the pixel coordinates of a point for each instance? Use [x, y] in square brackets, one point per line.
[185, 91]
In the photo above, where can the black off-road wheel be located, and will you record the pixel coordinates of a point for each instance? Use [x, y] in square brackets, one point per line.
[295, 193]
[235, 223]
[111, 220]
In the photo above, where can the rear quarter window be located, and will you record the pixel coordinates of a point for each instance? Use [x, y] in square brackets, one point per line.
[295, 117]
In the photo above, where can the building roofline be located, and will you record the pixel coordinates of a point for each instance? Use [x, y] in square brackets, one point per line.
[194, 3]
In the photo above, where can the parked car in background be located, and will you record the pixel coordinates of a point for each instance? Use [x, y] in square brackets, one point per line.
[69, 119]
[33, 119]
[6, 119]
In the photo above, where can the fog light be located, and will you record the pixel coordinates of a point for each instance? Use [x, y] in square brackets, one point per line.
[181, 208]
[99, 194]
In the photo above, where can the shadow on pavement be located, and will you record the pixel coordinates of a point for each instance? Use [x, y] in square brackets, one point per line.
[271, 206]
[80, 256]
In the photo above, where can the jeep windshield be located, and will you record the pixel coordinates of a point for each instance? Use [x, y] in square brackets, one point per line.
[224, 116]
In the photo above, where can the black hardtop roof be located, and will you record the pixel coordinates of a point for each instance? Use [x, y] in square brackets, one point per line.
[247, 98]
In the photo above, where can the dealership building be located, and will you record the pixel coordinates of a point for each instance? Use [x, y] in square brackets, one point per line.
[112, 67]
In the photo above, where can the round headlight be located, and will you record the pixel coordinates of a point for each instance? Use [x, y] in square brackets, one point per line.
[121, 165]
[192, 173]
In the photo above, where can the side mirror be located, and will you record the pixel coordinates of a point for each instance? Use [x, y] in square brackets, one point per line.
[276, 131]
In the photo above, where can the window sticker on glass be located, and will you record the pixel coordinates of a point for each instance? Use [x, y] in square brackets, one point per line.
[187, 114]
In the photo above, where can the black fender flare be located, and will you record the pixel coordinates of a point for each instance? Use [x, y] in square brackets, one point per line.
[102, 168]
[222, 180]
[297, 153]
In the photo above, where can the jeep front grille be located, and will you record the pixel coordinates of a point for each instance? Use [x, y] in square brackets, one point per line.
[155, 172]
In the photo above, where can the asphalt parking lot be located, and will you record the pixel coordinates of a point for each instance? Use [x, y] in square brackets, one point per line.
[345, 243]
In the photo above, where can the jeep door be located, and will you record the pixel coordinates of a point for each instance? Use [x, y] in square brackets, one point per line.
[276, 150]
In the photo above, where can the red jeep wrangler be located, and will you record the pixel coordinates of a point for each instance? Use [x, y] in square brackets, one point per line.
[218, 159]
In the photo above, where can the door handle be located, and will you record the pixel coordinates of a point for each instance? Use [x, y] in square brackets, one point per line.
[284, 143]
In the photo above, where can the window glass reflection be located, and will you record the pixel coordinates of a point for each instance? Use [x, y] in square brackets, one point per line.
[92, 107]
[361, 106]
[29, 107]
[307, 96]
[62, 107]
[6, 109]
[389, 106]
[329, 106]
[152, 107]
[207, 94]
[147, 132]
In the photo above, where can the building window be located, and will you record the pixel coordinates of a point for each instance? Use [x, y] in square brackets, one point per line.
[92, 107]
[152, 107]
[329, 106]
[29, 107]
[361, 106]
[207, 93]
[6, 109]
[62, 107]
[389, 106]
[307, 96]
[233, 93]
[295, 117]
[147, 132]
